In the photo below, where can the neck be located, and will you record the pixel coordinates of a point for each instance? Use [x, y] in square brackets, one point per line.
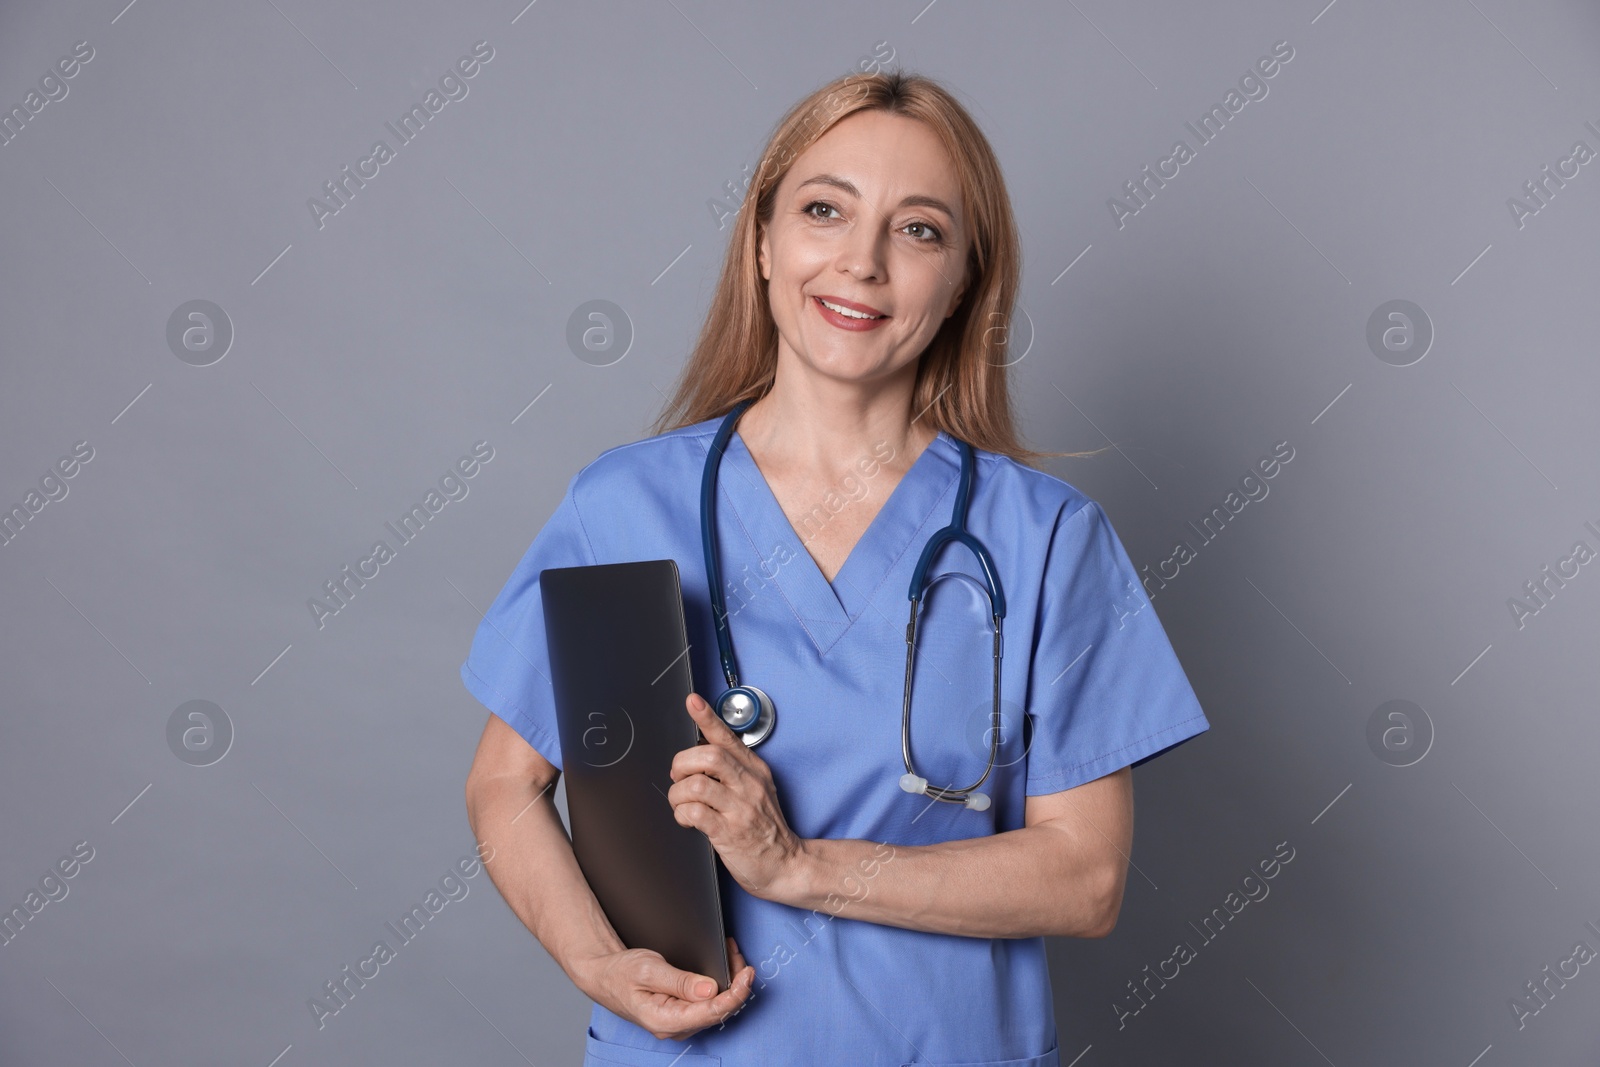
[818, 425]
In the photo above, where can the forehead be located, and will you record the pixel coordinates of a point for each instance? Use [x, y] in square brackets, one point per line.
[887, 158]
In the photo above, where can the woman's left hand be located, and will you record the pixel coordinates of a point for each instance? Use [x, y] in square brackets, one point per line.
[724, 790]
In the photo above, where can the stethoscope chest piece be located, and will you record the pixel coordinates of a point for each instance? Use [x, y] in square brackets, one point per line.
[748, 712]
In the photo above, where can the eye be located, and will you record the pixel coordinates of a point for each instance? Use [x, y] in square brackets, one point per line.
[932, 233]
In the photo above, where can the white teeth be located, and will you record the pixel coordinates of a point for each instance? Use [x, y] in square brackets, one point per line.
[847, 312]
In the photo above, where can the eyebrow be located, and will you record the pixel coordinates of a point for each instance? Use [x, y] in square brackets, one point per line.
[845, 185]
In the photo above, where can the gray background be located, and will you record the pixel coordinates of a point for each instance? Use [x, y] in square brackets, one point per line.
[1227, 315]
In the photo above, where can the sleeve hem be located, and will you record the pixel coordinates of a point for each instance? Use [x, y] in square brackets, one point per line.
[1131, 754]
[538, 738]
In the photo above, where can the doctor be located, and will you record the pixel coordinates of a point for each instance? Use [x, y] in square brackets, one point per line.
[860, 314]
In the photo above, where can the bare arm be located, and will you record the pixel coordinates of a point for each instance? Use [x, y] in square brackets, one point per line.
[511, 808]
[1063, 873]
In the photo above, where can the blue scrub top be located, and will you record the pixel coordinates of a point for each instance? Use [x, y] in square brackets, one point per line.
[1089, 680]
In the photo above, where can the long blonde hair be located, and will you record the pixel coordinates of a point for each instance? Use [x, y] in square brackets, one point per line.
[961, 385]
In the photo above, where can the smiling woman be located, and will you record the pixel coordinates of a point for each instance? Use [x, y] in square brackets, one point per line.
[856, 313]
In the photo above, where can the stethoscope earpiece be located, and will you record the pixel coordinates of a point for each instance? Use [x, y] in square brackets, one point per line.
[912, 783]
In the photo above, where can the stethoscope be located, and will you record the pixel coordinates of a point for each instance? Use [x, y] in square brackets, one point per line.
[750, 713]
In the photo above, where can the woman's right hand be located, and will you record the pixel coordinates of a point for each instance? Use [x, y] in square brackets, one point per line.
[642, 987]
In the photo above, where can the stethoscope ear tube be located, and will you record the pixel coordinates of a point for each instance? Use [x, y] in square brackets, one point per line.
[912, 782]
[748, 711]
[708, 544]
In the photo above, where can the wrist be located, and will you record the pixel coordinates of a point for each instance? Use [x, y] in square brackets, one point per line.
[794, 886]
[585, 969]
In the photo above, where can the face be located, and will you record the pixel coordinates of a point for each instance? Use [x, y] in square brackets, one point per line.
[869, 218]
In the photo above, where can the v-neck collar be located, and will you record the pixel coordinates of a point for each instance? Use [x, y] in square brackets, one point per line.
[827, 610]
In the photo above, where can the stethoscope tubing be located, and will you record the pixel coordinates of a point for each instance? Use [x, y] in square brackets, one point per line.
[956, 531]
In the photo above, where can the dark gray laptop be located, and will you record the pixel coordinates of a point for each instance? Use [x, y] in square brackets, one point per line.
[619, 664]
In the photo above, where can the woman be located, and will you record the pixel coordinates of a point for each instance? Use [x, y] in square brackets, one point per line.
[869, 923]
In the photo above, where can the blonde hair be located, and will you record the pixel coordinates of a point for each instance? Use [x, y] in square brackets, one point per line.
[961, 385]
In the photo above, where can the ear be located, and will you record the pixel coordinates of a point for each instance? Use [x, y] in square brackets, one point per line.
[763, 258]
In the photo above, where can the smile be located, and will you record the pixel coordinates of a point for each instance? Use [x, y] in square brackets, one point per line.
[847, 316]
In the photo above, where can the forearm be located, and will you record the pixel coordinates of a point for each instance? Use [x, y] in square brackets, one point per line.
[534, 869]
[1027, 882]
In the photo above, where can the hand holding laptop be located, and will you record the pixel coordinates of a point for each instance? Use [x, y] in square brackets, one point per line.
[642, 987]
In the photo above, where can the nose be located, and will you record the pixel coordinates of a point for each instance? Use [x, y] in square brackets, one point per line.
[862, 256]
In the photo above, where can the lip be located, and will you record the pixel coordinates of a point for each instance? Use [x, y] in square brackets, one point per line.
[865, 309]
[844, 322]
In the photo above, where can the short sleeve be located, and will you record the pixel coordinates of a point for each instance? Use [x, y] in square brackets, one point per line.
[508, 666]
[1106, 689]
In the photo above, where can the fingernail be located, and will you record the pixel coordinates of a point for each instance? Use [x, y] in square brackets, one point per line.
[705, 989]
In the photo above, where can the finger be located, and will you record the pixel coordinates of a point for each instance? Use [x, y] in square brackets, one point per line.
[684, 1016]
[697, 816]
[733, 998]
[703, 759]
[704, 789]
[713, 728]
[737, 965]
[658, 976]
[669, 1010]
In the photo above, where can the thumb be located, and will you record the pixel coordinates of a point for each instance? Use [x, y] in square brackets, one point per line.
[662, 977]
